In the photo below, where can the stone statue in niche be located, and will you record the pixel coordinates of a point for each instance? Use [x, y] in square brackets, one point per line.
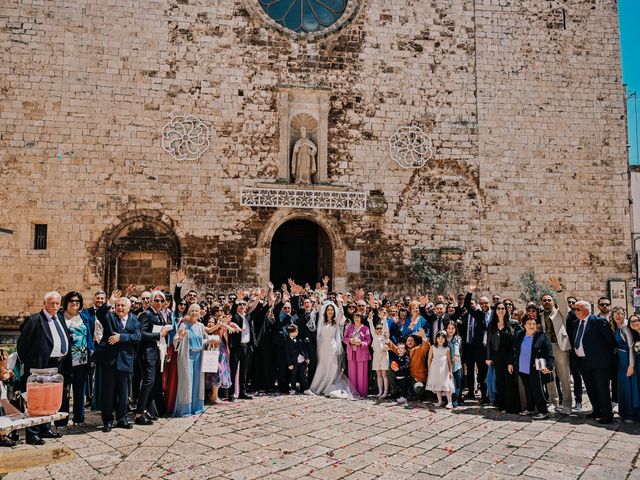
[304, 164]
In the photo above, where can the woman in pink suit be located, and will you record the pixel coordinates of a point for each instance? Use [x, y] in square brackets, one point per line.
[357, 338]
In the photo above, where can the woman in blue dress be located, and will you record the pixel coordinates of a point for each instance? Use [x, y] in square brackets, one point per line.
[627, 371]
[189, 341]
[415, 321]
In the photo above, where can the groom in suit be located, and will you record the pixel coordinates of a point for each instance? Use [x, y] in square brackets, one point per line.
[116, 353]
[593, 342]
[43, 343]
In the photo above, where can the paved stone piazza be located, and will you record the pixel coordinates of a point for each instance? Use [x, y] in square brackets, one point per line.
[291, 437]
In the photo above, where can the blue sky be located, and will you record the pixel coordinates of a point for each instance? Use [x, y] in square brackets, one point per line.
[629, 11]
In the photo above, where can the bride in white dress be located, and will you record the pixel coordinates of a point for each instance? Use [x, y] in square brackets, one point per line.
[329, 379]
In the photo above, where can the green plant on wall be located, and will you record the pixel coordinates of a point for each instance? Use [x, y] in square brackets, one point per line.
[531, 289]
[432, 274]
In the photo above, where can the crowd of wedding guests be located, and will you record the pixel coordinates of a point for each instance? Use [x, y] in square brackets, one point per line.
[170, 354]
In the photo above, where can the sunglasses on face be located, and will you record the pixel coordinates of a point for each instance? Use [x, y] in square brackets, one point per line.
[182, 304]
[146, 299]
[158, 300]
[75, 300]
[571, 302]
[509, 304]
[604, 304]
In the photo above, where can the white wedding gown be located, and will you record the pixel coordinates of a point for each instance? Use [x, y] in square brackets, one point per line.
[329, 379]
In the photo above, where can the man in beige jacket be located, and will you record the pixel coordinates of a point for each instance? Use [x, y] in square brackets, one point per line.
[553, 325]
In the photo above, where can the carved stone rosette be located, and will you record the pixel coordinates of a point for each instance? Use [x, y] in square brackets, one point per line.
[410, 147]
[185, 137]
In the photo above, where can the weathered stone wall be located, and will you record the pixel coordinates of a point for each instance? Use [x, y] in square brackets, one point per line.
[527, 120]
[552, 149]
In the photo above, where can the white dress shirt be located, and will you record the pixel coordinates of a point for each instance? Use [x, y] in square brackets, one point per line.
[579, 348]
[57, 341]
[245, 338]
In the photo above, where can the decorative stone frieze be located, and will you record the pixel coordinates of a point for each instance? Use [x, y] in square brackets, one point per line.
[299, 198]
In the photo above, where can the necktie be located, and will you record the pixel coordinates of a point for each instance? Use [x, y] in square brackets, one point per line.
[63, 337]
[580, 333]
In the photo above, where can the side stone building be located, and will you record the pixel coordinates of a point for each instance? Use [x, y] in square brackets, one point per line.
[140, 136]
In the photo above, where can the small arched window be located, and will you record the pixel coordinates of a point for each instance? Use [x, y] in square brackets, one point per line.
[304, 16]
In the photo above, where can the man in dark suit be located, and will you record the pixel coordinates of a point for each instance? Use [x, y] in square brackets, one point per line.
[474, 343]
[43, 343]
[438, 320]
[149, 353]
[593, 343]
[116, 353]
[240, 346]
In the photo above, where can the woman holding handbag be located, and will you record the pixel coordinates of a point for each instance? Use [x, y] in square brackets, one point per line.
[189, 342]
[533, 361]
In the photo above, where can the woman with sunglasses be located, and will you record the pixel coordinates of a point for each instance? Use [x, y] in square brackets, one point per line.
[499, 353]
[170, 373]
[627, 375]
[80, 349]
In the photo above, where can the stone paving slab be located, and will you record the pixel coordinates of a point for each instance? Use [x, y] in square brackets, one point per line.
[292, 437]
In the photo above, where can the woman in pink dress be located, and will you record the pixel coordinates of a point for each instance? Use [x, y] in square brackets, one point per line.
[357, 338]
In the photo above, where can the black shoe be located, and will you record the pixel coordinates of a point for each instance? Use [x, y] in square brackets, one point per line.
[124, 424]
[7, 442]
[14, 436]
[50, 434]
[153, 418]
[605, 420]
[244, 396]
[142, 420]
[593, 415]
[107, 427]
[232, 398]
[35, 440]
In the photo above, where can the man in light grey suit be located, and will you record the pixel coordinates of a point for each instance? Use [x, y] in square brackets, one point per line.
[553, 325]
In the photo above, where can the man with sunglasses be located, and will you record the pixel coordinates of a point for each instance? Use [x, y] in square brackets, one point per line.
[150, 390]
[604, 307]
[593, 342]
[573, 363]
[240, 348]
[553, 325]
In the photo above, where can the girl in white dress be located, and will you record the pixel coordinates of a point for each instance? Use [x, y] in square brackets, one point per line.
[440, 379]
[380, 363]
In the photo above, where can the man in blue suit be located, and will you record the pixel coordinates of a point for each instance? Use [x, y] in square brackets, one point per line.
[593, 343]
[116, 353]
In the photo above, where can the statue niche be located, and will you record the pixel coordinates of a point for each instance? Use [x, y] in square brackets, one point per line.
[302, 159]
[304, 164]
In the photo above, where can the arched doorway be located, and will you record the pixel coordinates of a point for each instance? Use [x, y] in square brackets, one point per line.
[301, 250]
[141, 251]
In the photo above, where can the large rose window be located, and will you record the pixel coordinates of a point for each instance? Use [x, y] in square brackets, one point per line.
[304, 16]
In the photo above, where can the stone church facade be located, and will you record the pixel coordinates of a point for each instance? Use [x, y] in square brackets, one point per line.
[155, 134]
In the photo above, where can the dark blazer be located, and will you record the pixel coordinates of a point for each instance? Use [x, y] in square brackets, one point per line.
[234, 338]
[598, 341]
[480, 327]
[35, 342]
[541, 348]
[121, 354]
[89, 316]
[148, 344]
[294, 348]
[433, 324]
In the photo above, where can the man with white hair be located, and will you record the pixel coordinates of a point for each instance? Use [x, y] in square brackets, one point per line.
[149, 356]
[593, 342]
[43, 343]
[116, 353]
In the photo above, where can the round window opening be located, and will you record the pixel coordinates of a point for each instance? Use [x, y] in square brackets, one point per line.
[304, 16]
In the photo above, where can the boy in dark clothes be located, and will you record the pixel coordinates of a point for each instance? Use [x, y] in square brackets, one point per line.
[400, 367]
[297, 360]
